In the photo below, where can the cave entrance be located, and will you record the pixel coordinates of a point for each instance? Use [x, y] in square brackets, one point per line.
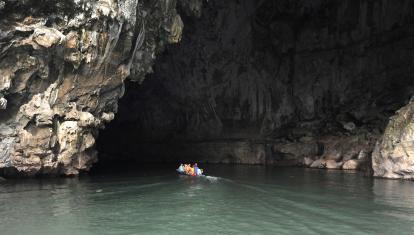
[269, 82]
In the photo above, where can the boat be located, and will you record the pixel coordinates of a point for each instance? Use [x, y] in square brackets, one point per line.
[183, 173]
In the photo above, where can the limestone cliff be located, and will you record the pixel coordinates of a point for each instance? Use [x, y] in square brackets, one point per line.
[280, 82]
[289, 82]
[62, 69]
[394, 153]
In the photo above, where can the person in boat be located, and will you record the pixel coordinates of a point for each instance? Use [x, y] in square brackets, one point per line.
[187, 169]
[200, 171]
[191, 172]
[195, 171]
[181, 168]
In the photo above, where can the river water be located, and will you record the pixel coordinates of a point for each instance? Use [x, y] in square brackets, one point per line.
[231, 200]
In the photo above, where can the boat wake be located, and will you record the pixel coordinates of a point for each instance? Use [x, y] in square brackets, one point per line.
[212, 178]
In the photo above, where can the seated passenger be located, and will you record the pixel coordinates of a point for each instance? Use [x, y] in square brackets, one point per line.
[200, 171]
[187, 169]
[195, 169]
[181, 168]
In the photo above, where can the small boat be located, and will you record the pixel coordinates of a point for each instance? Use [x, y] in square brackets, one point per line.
[183, 173]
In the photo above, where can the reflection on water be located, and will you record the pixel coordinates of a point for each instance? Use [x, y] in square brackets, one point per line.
[396, 197]
[233, 200]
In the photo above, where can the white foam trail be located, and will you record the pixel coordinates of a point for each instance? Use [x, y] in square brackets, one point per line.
[212, 178]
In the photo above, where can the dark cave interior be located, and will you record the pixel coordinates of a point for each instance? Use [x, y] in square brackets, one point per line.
[263, 82]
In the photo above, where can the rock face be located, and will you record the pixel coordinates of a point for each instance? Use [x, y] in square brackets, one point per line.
[62, 70]
[310, 79]
[220, 152]
[394, 153]
[261, 82]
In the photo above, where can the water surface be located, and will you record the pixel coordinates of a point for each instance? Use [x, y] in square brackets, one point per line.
[234, 200]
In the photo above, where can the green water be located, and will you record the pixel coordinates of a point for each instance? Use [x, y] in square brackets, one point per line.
[235, 200]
